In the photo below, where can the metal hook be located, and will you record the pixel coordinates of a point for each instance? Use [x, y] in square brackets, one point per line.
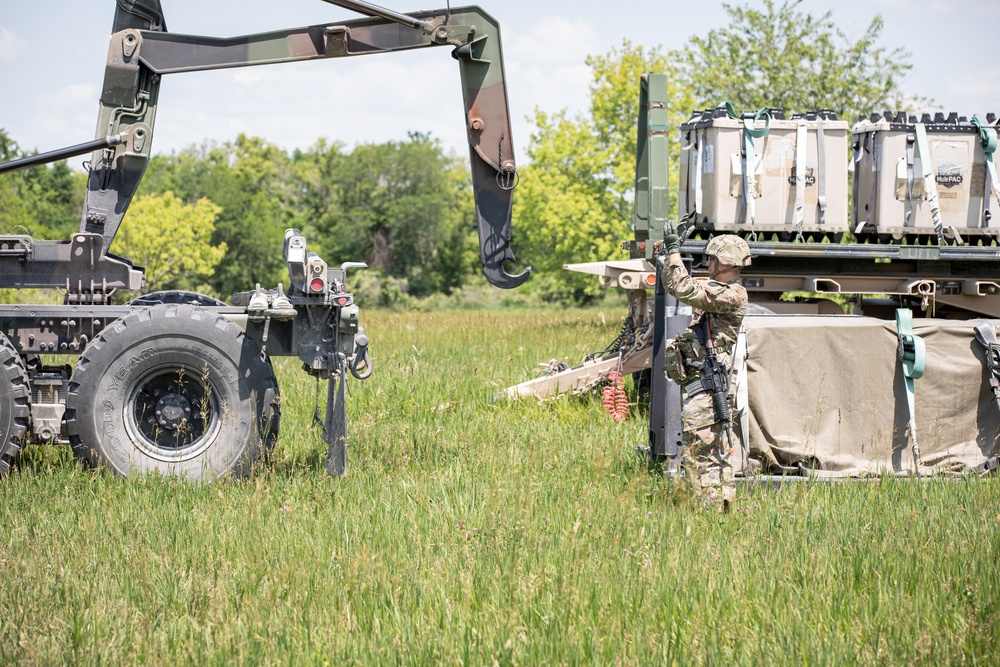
[508, 179]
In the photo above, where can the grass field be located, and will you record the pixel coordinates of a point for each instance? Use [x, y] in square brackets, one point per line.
[468, 532]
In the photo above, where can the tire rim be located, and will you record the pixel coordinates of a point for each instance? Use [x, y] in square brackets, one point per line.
[173, 414]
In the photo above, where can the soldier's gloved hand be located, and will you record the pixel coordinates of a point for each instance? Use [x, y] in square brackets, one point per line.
[672, 243]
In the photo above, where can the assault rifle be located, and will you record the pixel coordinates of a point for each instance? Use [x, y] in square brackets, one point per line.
[714, 376]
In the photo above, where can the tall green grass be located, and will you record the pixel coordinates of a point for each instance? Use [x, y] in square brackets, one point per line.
[468, 532]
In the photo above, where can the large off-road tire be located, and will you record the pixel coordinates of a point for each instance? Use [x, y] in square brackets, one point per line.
[176, 390]
[15, 405]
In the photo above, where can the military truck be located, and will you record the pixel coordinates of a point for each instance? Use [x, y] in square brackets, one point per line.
[181, 383]
[821, 392]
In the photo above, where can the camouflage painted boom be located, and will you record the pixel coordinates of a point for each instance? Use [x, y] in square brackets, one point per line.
[141, 51]
[315, 319]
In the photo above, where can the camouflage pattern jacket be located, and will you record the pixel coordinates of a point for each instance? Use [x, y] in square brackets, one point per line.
[724, 304]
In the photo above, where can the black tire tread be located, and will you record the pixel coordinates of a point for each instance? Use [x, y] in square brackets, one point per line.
[18, 401]
[93, 355]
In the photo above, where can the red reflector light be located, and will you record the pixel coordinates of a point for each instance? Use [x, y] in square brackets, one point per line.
[317, 284]
[342, 301]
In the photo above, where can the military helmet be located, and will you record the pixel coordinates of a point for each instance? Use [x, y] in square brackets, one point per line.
[729, 249]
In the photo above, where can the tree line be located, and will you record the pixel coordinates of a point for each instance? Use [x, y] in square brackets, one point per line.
[211, 218]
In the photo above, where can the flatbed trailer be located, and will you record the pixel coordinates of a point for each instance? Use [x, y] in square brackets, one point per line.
[930, 276]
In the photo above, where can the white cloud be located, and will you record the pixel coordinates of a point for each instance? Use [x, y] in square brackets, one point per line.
[71, 95]
[976, 91]
[546, 69]
[360, 100]
[553, 40]
[377, 98]
[61, 117]
[967, 10]
[10, 45]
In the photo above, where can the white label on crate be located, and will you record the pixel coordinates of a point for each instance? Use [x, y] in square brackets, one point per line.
[708, 161]
[772, 163]
[951, 175]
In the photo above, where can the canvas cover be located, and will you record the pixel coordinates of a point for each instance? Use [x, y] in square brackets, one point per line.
[827, 392]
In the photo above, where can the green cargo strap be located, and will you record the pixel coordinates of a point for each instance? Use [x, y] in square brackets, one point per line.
[750, 133]
[988, 137]
[913, 357]
[930, 185]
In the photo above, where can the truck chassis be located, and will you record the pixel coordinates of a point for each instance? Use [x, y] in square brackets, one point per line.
[182, 383]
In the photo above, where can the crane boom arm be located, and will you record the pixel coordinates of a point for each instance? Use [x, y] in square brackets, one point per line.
[141, 51]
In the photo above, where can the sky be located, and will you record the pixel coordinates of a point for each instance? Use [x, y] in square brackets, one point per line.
[52, 55]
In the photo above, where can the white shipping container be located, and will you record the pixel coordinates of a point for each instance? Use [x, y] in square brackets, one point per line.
[712, 164]
[890, 192]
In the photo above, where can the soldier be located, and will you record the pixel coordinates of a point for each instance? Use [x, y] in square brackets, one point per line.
[719, 305]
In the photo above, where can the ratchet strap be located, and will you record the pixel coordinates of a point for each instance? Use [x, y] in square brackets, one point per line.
[987, 337]
[699, 172]
[800, 177]
[750, 132]
[930, 186]
[912, 356]
[908, 218]
[820, 175]
[875, 138]
[988, 139]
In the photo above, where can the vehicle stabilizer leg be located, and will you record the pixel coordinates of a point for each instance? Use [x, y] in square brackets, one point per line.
[335, 423]
[670, 317]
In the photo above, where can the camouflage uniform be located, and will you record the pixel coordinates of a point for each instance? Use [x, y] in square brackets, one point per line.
[706, 448]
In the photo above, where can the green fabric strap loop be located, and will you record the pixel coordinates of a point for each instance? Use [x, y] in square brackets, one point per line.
[750, 119]
[913, 357]
[988, 136]
[750, 132]
[912, 353]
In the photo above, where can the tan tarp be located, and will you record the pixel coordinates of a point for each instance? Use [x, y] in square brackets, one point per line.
[828, 392]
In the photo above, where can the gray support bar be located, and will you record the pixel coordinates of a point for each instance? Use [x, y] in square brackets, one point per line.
[670, 317]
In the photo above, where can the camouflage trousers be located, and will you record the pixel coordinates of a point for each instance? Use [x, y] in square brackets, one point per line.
[706, 455]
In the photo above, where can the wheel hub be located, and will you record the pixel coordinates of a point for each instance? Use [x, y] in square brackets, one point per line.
[172, 411]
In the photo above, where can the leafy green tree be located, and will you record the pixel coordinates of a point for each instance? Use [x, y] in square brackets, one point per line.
[43, 201]
[14, 212]
[574, 203]
[54, 194]
[777, 56]
[172, 240]
[403, 207]
[251, 181]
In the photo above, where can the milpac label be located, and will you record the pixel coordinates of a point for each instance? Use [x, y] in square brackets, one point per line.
[810, 177]
[949, 174]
